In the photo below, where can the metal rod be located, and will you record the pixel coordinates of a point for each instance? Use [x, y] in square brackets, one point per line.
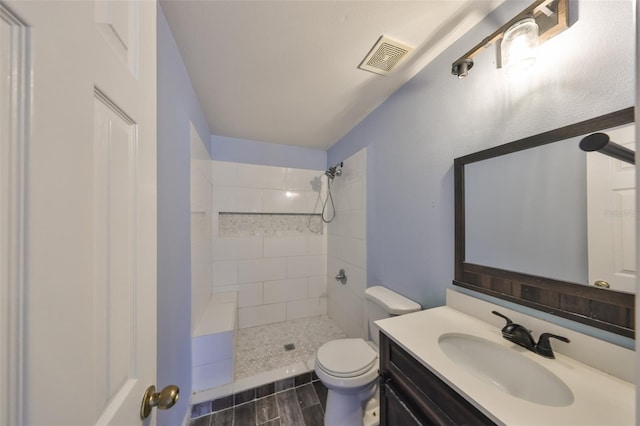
[601, 143]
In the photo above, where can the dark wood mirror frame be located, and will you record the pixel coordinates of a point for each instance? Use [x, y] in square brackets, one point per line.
[605, 309]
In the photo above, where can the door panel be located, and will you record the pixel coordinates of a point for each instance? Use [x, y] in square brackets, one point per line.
[612, 215]
[90, 246]
[117, 22]
[115, 193]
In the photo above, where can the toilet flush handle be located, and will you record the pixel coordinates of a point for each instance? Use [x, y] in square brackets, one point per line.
[342, 277]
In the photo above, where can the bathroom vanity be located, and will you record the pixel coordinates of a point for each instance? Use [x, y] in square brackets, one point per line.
[410, 394]
[442, 366]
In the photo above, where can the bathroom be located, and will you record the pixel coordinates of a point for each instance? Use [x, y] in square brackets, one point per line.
[394, 200]
[409, 179]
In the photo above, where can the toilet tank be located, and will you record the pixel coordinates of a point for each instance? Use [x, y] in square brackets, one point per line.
[384, 303]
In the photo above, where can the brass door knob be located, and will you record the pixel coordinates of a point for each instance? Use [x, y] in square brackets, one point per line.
[164, 399]
[601, 284]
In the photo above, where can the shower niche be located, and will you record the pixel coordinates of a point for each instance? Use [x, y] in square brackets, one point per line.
[237, 224]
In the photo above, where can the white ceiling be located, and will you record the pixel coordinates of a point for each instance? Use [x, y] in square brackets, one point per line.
[286, 72]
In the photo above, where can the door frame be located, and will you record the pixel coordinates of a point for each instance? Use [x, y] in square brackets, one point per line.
[15, 137]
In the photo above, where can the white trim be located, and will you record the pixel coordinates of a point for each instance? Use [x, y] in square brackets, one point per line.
[12, 220]
[637, 119]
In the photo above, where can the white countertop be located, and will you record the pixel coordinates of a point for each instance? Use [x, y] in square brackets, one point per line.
[599, 399]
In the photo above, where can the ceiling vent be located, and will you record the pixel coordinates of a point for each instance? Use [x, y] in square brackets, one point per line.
[384, 56]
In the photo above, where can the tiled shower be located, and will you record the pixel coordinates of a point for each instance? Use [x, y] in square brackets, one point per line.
[267, 245]
[257, 233]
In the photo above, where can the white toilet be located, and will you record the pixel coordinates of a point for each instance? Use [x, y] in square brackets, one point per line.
[349, 367]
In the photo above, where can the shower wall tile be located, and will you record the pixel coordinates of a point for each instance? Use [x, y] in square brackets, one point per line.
[201, 251]
[211, 347]
[356, 277]
[251, 294]
[315, 200]
[261, 315]
[278, 189]
[343, 318]
[353, 196]
[349, 224]
[298, 179]
[306, 308]
[237, 248]
[212, 375]
[262, 270]
[236, 199]
[265, 249]
[223, 173]
[252, 176]
[316, 245]
[285, 290]
[200, 296]
[350, 250]
[285, 246]
[225, 273]
[346, 248]
[200, 193]
[336, 314]
[364, 320]
[201, 273]
[358, 328]
[281, 200]
[346, 300]
[304, 266]
[318, 286]
[358, 281]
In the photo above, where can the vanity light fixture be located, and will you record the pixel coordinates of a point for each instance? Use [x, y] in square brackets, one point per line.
[520, 36]
[519, 44]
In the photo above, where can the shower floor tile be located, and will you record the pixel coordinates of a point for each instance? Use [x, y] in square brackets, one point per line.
[261, 349]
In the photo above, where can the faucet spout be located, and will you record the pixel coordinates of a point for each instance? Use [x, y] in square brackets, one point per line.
[521, 336]
[516, 333]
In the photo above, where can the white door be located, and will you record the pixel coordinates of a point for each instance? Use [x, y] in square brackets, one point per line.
[611, 215]
[86, 314]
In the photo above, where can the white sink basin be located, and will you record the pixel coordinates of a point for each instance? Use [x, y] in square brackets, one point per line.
[506, 369]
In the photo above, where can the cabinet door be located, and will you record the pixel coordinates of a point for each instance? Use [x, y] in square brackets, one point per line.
[394, 411]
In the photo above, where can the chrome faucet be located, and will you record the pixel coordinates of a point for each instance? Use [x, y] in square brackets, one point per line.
[521, 336]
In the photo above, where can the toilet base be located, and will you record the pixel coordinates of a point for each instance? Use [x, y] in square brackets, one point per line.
[372, 411]
[360, 409]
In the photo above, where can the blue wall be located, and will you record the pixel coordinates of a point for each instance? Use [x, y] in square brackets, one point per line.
[268, 154]
[177, 107]
[414, 136]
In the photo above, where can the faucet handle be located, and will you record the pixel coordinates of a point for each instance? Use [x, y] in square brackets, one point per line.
[509, 326]
[509, 322]
[544, 347]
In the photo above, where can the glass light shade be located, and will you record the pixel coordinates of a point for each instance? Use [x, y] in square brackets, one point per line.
[519, 45]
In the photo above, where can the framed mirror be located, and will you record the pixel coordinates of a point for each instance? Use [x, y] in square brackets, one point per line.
[532, 228]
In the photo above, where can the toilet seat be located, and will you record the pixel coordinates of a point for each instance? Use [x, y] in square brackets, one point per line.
[346, 358]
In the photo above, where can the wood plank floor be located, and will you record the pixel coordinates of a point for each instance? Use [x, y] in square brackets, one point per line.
[298, 401]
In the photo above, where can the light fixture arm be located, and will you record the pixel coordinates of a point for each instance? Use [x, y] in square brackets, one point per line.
[549, 25]
[601, 143]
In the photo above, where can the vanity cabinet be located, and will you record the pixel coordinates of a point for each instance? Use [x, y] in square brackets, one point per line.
[412, 395]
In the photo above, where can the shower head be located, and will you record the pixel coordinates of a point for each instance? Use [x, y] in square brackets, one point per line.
[334, 171]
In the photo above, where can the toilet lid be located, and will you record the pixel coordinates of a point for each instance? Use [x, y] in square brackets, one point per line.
[346, 357]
